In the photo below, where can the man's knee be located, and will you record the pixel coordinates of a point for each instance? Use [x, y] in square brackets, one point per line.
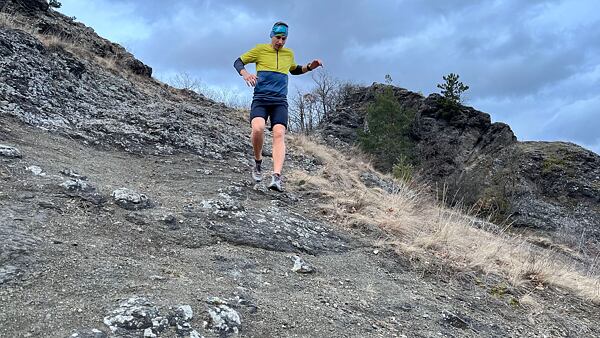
[278, 131]
[258, 125]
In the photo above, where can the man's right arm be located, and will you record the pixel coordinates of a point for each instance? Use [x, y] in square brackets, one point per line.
[239, 66]
[249, 78]
[249, 57]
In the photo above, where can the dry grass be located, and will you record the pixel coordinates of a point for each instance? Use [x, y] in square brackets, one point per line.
[78, 48]
[7, 21]
[14, 21]
[54, 41]
[422, 226]
[75, 45]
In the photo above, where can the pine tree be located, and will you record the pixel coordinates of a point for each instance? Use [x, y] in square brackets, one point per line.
[387, 129]
[452, 88]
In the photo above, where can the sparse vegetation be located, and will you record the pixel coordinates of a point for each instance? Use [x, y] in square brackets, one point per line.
[495, 204]
[54, 3]
[422, 226]
[229, 97]
[15, 21]
[403, 169]
[6, 21]
[185, 80]
[553, 162]
[388, 79]
[309, 109]
[78, 46]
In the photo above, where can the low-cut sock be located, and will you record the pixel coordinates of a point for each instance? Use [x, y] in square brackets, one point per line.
[258, 164]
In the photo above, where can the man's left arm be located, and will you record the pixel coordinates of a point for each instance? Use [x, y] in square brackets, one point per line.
[297, 69]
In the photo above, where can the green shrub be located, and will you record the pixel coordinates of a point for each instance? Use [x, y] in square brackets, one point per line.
[553, 163]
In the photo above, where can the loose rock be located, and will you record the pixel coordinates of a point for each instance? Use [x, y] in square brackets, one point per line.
[133, 314]
[224, 319]
[130, 199]
[37, 171]
[301, 266]
[10, 152]
[82, 189]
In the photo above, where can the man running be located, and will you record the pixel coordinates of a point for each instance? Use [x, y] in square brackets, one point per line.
[273, 62]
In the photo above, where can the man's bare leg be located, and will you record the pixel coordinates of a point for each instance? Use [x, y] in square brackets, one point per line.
[257, 136]
[278, 147]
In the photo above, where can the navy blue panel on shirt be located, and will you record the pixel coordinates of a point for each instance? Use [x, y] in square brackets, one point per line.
[271, 86]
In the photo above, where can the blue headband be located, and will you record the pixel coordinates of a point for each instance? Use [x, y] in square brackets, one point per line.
[279, 30]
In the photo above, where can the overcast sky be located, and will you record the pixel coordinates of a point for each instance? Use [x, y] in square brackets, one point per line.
[533, 64]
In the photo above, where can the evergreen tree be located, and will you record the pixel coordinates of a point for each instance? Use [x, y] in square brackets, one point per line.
[452, 88]
[387, 128]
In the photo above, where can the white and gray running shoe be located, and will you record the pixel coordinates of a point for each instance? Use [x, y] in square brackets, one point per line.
[257, 173]
[276, 183]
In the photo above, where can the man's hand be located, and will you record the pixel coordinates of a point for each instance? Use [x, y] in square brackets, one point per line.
[314, 64]
[249, 78]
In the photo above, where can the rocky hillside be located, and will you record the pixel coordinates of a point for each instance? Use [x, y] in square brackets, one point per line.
[549, 186]
[126, 210]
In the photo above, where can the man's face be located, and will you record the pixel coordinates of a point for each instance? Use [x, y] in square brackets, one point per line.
[278, 41]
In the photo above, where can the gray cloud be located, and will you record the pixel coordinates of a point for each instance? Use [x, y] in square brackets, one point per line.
[527, 62]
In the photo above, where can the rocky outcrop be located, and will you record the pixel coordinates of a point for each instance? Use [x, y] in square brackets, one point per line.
[25, 7]
[54, 89]
[551, 186]
[37, 14]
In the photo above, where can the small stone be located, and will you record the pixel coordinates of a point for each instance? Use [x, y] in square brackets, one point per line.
[10, 152]
[216, 301]
[37, 171]
[194, 334]
[47, 205]
[301, 266]
[130, 199]
[73, 174]
[224, 319]
[83, 189]
[149, 334]
[186, 312]
[455, 320]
